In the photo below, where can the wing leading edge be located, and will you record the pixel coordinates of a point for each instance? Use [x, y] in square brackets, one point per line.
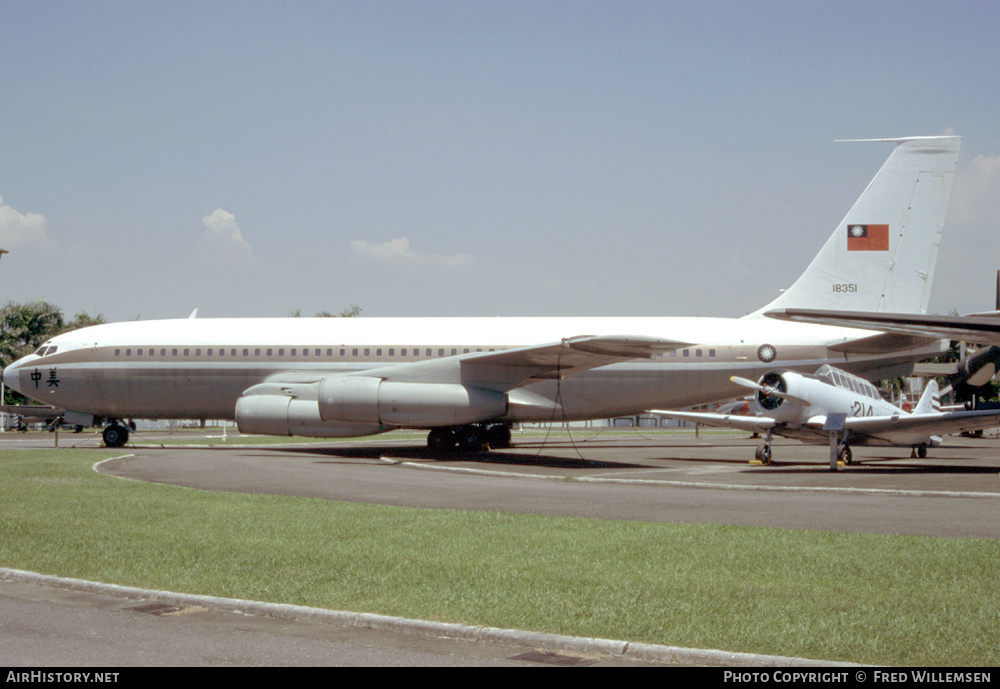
[905, 427]
[742, 423]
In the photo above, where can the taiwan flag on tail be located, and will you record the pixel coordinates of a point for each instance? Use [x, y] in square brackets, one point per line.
[867, 237]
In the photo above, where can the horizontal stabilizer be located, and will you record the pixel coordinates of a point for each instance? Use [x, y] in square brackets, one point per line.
[882, 343]
[980, 328]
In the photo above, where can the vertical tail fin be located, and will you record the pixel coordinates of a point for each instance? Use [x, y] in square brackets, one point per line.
[930, 401]
[882, 255]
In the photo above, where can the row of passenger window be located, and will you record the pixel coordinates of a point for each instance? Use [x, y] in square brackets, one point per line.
[697, 352]
[300, 352]
[411, 352]
[320, 352]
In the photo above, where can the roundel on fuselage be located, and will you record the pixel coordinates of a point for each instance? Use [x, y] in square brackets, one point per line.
[767, 353]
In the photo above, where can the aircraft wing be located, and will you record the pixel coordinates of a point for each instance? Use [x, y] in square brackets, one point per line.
[33, 413]
[906, 426]
[511, 368]
[743, 423]
[576, 353]
[31, 410]
[982, 328]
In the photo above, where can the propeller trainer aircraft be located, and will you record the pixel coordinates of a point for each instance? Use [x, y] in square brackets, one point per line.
[811, 407]
[466, 380]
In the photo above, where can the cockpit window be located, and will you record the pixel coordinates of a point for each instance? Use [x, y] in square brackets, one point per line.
[848, 381]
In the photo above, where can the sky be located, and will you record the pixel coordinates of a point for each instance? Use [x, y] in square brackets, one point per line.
[457, 158]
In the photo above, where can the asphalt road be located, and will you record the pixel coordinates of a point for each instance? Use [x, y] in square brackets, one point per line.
[953, 492]
[46, 626]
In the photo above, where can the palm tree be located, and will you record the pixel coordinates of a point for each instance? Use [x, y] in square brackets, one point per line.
[83, 320]
[23, 327]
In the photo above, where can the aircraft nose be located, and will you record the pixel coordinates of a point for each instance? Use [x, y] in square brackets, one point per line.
[12, 374]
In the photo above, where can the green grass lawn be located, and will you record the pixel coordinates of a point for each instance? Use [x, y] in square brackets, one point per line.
[844, 597]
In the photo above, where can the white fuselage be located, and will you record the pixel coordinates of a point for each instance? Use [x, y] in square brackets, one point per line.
[199, 368]
[827, 393]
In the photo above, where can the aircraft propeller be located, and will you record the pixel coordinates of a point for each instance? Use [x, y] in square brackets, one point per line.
[771, 391]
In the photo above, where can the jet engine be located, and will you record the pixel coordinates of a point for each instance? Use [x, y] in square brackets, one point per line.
[349, 406]
[360, 399]
[284, 415]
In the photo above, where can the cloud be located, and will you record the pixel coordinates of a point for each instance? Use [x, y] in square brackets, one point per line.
[222, 243]
[20, 230]
[399, 252]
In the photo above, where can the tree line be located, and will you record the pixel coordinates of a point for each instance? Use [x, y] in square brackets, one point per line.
[24, 327]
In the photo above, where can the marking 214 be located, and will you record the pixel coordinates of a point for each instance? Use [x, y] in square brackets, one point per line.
[861, 409]
[841, 287]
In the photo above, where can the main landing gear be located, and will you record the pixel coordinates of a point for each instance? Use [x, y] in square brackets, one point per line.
[763, 453]
[470, 438]
[116, 433]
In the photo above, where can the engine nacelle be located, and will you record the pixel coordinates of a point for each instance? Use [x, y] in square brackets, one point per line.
[360, 399]
[767, 401]
[284, 415]
[781, 396]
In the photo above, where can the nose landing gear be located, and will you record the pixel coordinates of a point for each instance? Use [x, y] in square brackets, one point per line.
[116, 433]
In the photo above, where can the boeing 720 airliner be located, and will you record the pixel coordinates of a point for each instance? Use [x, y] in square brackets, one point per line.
[466, 380]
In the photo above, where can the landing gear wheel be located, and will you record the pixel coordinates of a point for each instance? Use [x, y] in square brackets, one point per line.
[845, 454]
[471, 438]
[922, 451]
[115, 435]
[441, 439]
[763, 454]
[498, 437]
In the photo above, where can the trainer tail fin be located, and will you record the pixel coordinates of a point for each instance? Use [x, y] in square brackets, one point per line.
[930, 401]
[882, 255]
